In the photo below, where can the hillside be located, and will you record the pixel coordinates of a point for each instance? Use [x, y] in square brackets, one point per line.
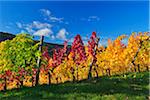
[4, 36]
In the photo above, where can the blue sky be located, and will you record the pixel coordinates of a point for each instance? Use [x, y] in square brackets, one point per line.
[62, 20]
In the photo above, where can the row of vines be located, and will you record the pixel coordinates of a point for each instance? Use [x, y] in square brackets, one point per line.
[18, 60]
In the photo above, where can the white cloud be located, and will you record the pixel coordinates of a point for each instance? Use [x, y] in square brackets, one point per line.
[44, 28]
[55, 19]
[91, 18]
[45, 12]
[50, 17]
[22, 31]
[52, 37]
[94, 17]
[39, 25]
[43, 32]
[36, 28]
[62, 34]
[19, 25]
[29, 29]
[7, 27]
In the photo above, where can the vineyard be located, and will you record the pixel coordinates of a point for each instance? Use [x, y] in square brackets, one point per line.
[19, 57]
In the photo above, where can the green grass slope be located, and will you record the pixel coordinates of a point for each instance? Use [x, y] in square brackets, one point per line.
[134, 86]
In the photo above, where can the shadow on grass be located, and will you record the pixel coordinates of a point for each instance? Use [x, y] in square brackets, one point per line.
[100, 86]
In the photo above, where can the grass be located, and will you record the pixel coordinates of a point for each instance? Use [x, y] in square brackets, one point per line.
[134, 86]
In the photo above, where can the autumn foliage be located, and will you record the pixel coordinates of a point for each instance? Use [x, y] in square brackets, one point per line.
[73, 64]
